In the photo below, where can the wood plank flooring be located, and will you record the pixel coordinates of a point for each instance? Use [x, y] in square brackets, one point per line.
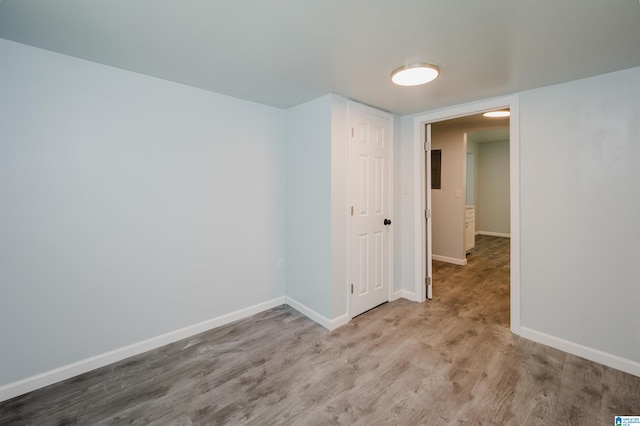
[448, 361]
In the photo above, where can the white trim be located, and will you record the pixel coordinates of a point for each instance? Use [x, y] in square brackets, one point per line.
[601, 357]
[65, 372]
[512, 102]
[329, 324]
[493, 234]
[404, 294]
[453, 260]
[419, 208]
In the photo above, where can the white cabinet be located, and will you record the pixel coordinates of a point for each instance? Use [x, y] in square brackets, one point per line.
[469, 228]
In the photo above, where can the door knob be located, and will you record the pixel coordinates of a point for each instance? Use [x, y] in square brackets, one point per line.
[387, 222]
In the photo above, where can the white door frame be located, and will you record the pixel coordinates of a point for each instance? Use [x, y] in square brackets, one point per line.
[419, 122]
[356, 105]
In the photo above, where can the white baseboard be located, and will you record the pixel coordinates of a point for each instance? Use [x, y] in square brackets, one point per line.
[610, 360]
[404, 294]
[47, 378]
[453, 260]
[339, 321]
[493, 234]
[329, 324]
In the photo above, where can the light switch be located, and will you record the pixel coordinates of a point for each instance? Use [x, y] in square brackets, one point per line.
[458, 193]
[405, 188]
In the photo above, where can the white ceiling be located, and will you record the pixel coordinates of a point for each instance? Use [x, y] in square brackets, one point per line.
[285, 52]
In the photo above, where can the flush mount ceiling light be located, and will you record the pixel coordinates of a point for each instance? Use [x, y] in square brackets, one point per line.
[414, 75]
[496, 114]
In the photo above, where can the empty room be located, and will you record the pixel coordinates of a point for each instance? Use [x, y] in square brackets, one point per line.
[226, 212]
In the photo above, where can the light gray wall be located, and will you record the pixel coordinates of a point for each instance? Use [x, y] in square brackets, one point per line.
[309, 236]
[396, 213]
[317, 198]
[473, 148]
[580, 151]
[129, 207]
[580, 238]
[469, 176]
[493, 201]
[339, 205]
[405, 166]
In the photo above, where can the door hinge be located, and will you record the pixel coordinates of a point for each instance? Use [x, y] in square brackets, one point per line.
[427, 281]
[351, 288]
[427, 146]
[427, 214]
[352, 132]
[351, 210]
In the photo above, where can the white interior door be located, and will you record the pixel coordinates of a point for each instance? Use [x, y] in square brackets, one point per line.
[428, 267]
[370, 192]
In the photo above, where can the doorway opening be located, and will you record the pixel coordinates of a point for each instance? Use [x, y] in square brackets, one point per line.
[470, 209]
[422, 201]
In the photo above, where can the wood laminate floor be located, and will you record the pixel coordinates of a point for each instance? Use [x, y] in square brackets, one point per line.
[449, 361]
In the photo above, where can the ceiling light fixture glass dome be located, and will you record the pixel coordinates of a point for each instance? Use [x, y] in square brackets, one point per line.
[415, 74]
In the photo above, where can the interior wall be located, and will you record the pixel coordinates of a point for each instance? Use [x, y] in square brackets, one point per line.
[129, 207]
[493, 201]
[317, 198]
[470, 184]
[309, 233]
[473, 147]
[339, 206]
[399, 192]
[447, 208]
[405, 166]
[580, 150]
